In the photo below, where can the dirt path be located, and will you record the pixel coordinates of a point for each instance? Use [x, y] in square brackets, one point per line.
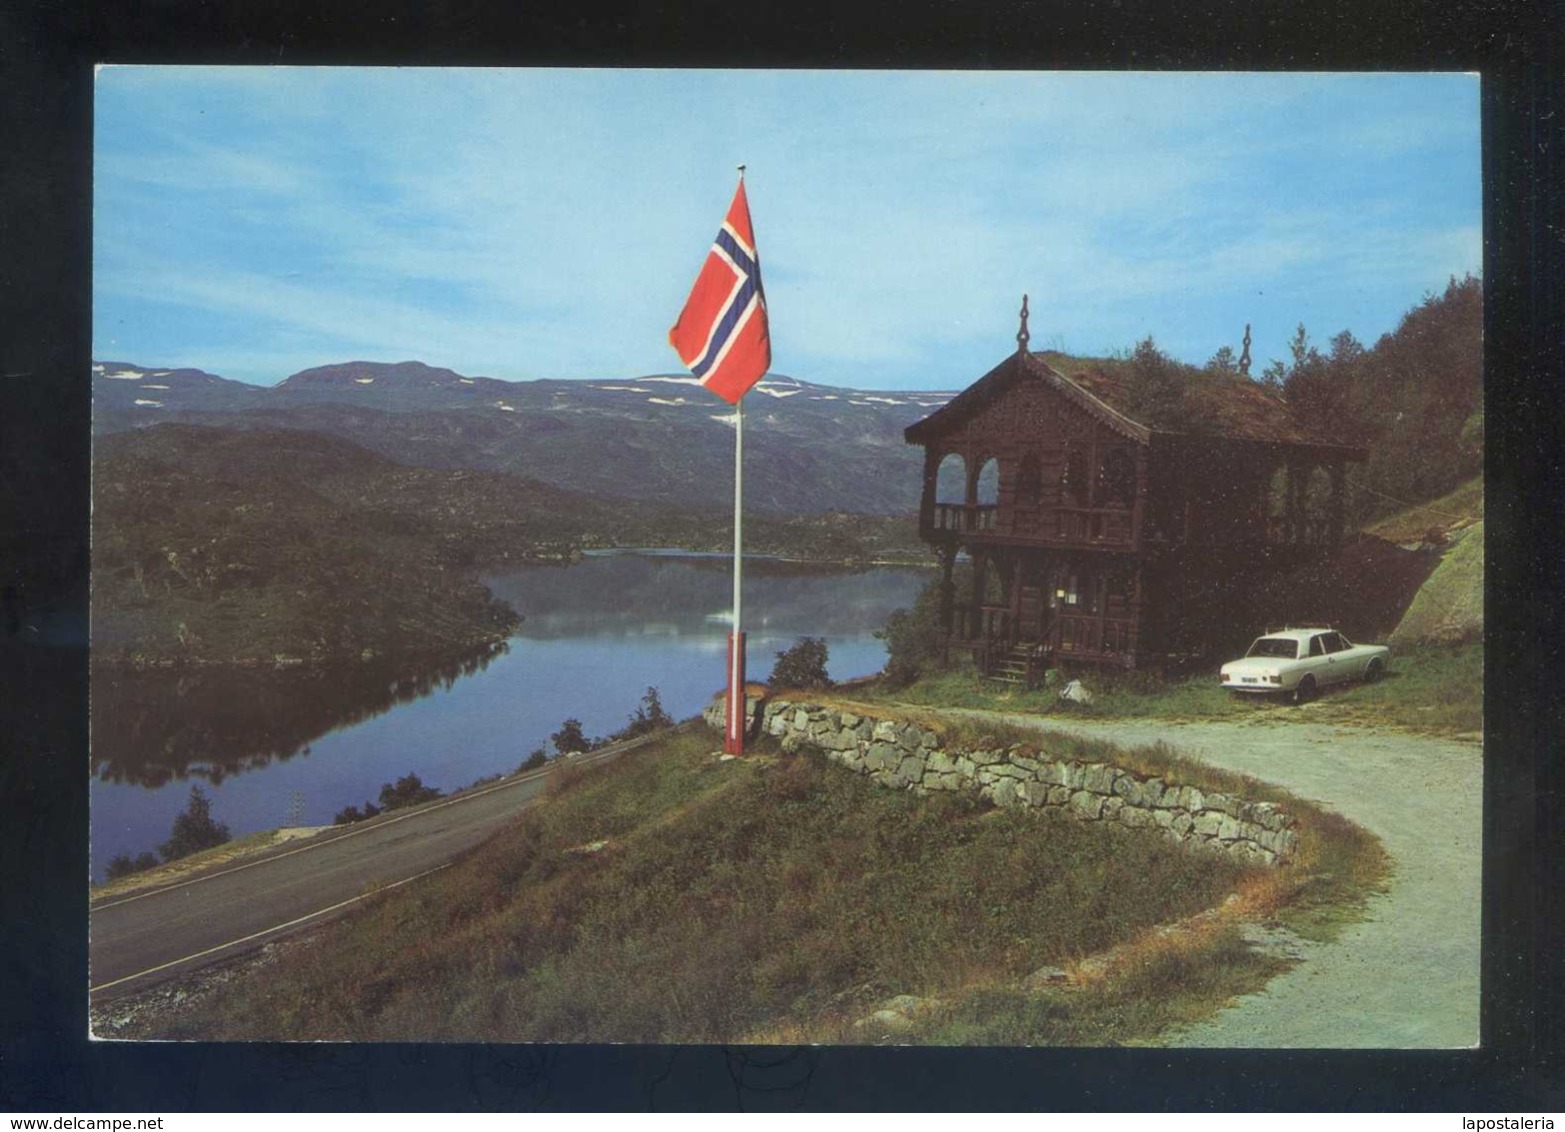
[1405, 977]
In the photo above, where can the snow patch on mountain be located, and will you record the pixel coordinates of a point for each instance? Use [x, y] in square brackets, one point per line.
[366, 381]
[666, 401]
[125, 375]
[621, 388]
[149, 404]
[673, 380]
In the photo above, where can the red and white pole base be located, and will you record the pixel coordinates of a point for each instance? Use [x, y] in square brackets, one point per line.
[733, 733]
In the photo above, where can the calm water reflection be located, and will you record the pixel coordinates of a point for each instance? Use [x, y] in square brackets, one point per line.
[270, 746]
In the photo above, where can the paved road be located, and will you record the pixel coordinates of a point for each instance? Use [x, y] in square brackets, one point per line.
[1406, 977]
[145, 937]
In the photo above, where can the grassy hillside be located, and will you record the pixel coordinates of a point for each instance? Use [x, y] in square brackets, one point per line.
[220, 546]
[1459, 508]
[1450, 606]
[674, 897]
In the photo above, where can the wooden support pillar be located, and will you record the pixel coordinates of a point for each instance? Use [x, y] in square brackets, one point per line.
[926, 502]
[1295, 507]
[975, 611]
[947, 586]
[1100, 603]
[1014, 629]
[1338, 502]
[1138, 507]
[1133, 609]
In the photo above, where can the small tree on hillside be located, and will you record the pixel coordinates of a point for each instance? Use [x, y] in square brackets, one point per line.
[649, 717]
[1158, 390]
[1223, 361]
[569, 740]
[194, 829]
[802, 665]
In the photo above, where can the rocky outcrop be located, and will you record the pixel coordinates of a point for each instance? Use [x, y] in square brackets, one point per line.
[904, 755]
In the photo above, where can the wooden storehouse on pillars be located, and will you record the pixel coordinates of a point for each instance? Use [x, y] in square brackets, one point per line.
[1113, 527]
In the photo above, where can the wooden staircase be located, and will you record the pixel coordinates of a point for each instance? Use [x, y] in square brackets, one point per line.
[1023, 665]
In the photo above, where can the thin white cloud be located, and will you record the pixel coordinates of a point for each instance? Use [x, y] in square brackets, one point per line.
[899, 216]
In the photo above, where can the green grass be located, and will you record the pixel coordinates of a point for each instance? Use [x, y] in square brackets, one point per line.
[1429, 688]
[1464, 503]
[774, 898]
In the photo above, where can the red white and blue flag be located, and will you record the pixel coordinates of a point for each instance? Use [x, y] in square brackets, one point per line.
[722, 333]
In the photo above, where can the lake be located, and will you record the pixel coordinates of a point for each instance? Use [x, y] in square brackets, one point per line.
[292, 747]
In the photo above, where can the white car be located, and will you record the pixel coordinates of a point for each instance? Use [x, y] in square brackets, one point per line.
[1300, 662]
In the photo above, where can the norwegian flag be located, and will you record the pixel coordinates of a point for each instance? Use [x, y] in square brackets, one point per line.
[722, 333]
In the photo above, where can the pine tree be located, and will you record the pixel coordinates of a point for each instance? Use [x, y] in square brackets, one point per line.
[194, 829]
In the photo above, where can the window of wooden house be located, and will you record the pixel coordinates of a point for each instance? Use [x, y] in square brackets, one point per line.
[951, 480]
[1073, 480]
[1117, 479]
[1317, 503]
[1121, 586]
[1029, 482]
[1075, 591]
[989, 483]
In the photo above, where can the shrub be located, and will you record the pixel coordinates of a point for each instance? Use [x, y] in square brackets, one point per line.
[912, 636]
[350, 814]
[123, 865]
[802, 665]
[408, 790]
[534, 760]
[194, 829]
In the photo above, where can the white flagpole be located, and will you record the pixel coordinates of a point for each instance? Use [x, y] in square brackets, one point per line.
[738, 510]
[736, 696]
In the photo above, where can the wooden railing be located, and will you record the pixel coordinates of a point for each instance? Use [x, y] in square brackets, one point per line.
[963, 519]
[1310, 532]
[1094, 524]
[1089, 633]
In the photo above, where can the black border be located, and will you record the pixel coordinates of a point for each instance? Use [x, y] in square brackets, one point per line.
[47, 51]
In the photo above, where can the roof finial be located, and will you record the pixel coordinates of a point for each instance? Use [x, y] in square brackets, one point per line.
[1244, 355]
[1021, 335]
[741, 172]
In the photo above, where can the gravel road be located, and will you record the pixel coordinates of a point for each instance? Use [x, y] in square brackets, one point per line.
[1406, 977]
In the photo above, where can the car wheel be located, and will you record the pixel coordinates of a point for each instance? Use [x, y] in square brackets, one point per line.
[1374, 672]
[1305, 692]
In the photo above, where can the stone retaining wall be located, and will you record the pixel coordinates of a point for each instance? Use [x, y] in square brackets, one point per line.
[904, 756]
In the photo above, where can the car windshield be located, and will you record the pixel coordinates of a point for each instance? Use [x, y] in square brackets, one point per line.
[1284, 647]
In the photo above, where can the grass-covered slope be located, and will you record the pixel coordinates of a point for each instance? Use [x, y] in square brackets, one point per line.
[675, 897]
[1449, 607]
[1458, 509]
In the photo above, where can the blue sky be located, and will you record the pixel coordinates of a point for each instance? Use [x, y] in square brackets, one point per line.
[533, 223]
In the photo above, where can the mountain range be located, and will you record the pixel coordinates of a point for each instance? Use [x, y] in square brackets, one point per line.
[657, 438]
